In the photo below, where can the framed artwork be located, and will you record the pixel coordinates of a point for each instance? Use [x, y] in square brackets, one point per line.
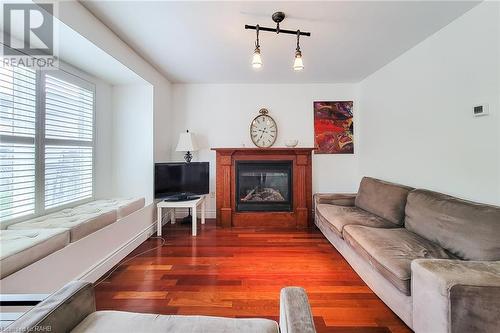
[333, 127]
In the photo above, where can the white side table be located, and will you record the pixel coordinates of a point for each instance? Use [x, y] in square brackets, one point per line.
[193, 204]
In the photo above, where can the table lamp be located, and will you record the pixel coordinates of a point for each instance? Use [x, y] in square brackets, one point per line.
[187, 143]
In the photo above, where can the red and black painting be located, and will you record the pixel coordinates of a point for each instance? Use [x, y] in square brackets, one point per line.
[333, 127]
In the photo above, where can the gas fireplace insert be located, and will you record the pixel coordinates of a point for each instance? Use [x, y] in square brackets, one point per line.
[264, 186]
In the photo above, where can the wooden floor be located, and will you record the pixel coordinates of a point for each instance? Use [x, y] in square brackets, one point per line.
[239, 273]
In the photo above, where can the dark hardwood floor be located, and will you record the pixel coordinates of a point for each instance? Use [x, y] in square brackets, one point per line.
[239, 273]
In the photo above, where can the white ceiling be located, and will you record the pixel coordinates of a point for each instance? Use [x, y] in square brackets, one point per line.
[205, 42]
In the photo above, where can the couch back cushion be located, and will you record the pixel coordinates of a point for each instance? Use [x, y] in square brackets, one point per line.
[382, 198]
[469, 230]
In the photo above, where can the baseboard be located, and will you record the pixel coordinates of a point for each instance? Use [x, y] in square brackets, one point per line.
[99, 269]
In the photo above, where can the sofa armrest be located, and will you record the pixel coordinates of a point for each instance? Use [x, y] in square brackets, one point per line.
[339, 199]
[455, 295]
[295, 312]
[60, 312]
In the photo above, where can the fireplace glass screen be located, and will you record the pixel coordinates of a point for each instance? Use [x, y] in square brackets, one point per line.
[264, 186]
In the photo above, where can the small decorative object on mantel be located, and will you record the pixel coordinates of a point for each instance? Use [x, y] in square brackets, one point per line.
[187, 143]
[263, 130]
[291, 143]
[333, 127]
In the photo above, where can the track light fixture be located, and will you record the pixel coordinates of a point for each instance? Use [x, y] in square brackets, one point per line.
[277, 17]
[298, 65]
[256, 59]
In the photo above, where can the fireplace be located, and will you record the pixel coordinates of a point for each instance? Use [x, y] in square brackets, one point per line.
[264, 186]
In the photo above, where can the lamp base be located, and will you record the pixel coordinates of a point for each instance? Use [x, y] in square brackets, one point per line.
[188, 157]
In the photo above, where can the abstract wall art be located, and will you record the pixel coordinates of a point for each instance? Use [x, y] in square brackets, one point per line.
[333, 127]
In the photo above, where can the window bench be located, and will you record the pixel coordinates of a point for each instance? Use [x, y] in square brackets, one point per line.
[26, 242]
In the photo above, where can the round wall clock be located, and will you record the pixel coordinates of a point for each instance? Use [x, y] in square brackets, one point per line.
[263, 130]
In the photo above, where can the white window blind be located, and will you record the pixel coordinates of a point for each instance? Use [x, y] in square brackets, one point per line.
[68, 140]
[17, 142]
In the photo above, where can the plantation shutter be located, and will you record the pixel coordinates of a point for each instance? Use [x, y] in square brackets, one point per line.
[17, 142]
[69, 137]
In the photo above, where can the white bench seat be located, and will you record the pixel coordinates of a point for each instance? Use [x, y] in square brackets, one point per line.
[20, 248]
[25, 242]
[123, 206]
[81, 221]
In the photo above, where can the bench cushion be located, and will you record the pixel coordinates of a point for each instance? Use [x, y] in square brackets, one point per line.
[117, 321]
[340, 216]
[382, 198]
[123, 206]
[469, 230]
[20, 248]
[81, 221]
[391, 251]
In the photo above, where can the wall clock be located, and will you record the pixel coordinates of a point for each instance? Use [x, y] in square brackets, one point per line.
[263, 130]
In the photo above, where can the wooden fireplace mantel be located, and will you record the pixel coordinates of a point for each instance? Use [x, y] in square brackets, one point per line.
[301, 214]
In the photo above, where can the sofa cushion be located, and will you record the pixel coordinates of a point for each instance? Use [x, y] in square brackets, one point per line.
[117, 321]
[382, 198]
[391, 251]
[20, 248]
[123, 206]
[469, 230]
[340, 216]
[80, 221]
[339, 199]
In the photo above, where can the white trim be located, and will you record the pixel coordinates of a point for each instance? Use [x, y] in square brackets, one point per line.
[40, 145]
[67, 142]
[15, 139]
[99, 269]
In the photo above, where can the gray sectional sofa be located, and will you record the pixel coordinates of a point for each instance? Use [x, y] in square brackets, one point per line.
[72, 309]
[432, 258]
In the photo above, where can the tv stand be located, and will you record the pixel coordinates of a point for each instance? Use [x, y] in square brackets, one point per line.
[193, 204]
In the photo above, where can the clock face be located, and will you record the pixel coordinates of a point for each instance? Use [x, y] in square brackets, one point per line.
[263, 131]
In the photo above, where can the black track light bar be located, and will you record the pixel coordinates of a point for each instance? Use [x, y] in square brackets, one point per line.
[280, 31]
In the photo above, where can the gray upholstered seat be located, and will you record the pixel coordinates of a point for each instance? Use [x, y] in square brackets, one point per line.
[384, 199]
[467, 229]
[391, 251]
[117, 321]
[340, 216]
[73, 309]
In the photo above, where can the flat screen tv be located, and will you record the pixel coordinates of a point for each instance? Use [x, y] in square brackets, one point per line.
[181, 178]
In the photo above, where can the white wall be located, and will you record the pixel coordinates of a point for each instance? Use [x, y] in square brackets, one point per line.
[416, 113]
[132, 130]
[162, 122]
[220, 116]
[103, 140]
[413, 117]
[78, 18]
[413, 122]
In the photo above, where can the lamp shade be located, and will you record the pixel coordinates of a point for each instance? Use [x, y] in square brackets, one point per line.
[186, 142]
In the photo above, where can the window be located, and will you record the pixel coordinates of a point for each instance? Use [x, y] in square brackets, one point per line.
[47, 141]
[17, 144]
[69, 133]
